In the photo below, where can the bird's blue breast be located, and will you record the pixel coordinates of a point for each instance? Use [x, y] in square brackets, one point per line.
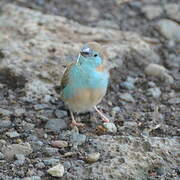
[84, 76]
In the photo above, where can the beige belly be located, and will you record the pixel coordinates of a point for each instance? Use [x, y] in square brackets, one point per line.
[85, 99]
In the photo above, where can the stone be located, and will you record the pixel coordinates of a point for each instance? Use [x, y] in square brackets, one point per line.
[5, 124]
[22, 148]
[49, 151]
[51, 161]
[20, 157]
[1, 156]
[110, 127]
[56, 125]
[154, 92]
[40, 165]
[129, 83]
[5, 112]
[56, 171]
[13, 134]
[59, 144]
[127, 97]
[77, 139]
[152, 11]
[158, 71]
[60, 113]
[173, 11]
[32, 178]
[93, 157]
[169, 29]
[19, 112]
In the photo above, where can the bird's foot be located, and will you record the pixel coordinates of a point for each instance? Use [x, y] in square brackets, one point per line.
[104, 118]
[74, 123]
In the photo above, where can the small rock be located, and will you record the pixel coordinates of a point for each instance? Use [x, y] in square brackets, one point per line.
[32, 178]
[51, 161]
[19, 162]
[40, 106]
[13, 134]
[20, 157]
[129, 83]
[59, 144]
[77, 139]
[114, 111]
[152, 11]
[56, 125]
[110, 127]
[93, 157]
[19, 112]
[5, 124]
[169, 29]
[51, 151]
[127, 97]
[151, 84]
[11, 150]
[1, 156]
[158, 71]
[36, 145]
[56, 171]
[5, 112]
[60, 113]
[40, 165]
[154, 92]
[174, 100]
[173, 11]
[27, 126]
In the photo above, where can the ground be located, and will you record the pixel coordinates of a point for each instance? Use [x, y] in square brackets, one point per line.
[144, 108]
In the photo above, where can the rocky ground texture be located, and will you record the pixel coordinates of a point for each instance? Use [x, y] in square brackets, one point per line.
[142, 39]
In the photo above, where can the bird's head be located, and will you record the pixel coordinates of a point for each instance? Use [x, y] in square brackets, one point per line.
[91, 54]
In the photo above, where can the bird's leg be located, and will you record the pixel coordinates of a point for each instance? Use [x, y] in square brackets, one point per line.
[104, 118]
[74, 123]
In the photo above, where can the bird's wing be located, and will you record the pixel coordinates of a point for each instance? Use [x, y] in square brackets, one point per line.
[65, 78]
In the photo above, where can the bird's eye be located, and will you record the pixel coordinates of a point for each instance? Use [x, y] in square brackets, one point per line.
[95, 55]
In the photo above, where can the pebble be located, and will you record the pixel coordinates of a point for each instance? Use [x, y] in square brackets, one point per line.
[5, 124]
[2, 156]
[127, 97]
[10, 150]
[19, 112]
[56, 125]
[93, 157]
[56, 171]
[59, 144]
[27, 126]
[174, 100]
[115, 110]
[158, 71]
[40, 165]
[40, 106]
[20, 157]
[5, 112]
[110, 127]
[151, 84]
[49, 151]
[19, 162]
[13, 134]
[32, 178]
[154, 92]
[152, 11]
[169, 29]
[173, 11]
[60, 113]
[51, 161]
[77, 139]
[129, 83]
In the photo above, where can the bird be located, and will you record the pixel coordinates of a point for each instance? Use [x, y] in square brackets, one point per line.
[84, 82]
